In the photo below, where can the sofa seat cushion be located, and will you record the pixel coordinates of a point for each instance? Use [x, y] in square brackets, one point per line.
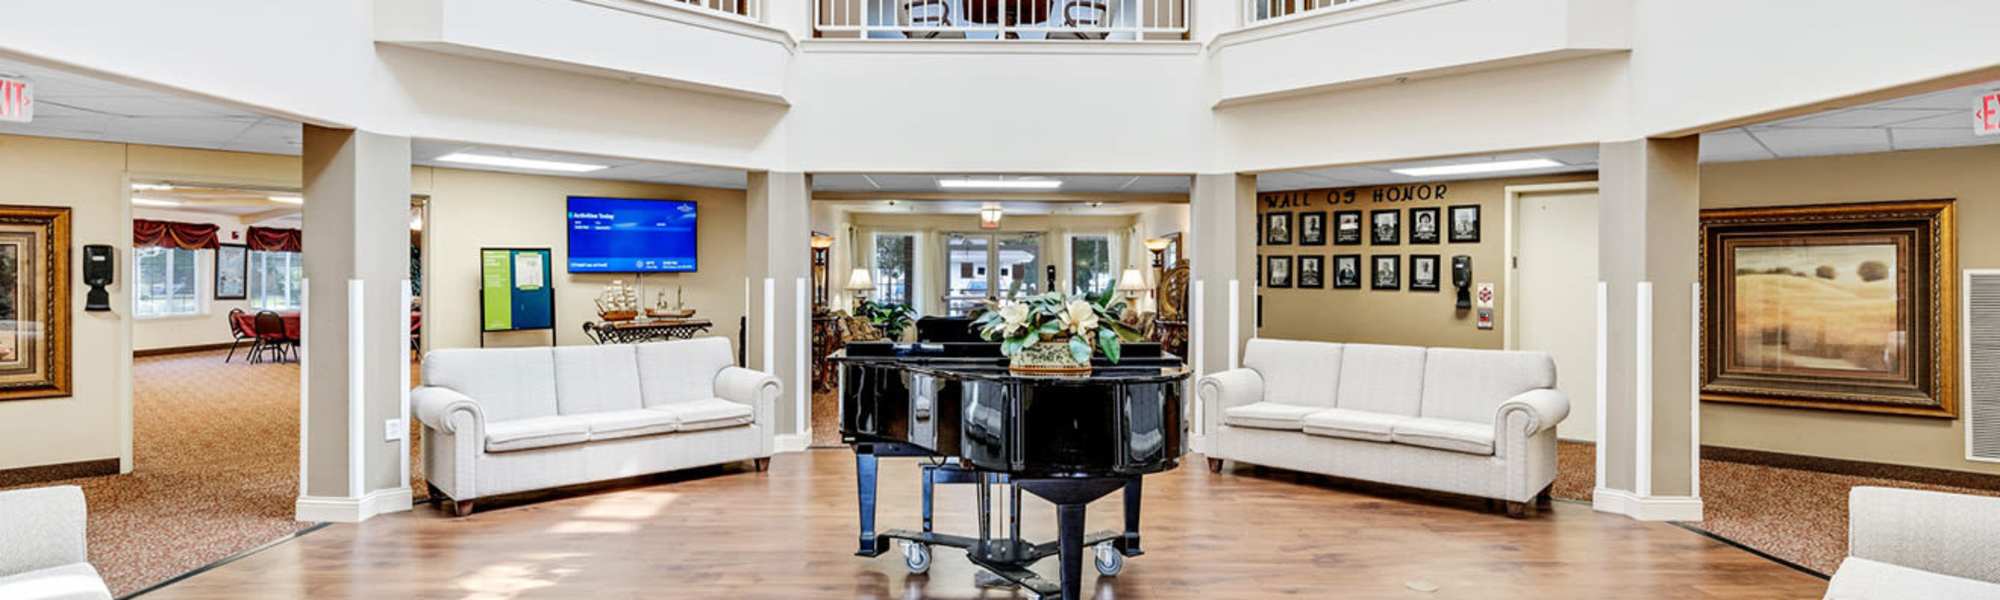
[74, 581]
[709, 413]
[1269, 415]
[1353, 424]
[537, 432]
[1863, 579]
[1446, 434]
[630, 423]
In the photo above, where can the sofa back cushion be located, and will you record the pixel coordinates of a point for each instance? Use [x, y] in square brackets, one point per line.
[1470, 385]
[1381, 379]
[508, 383]
[595, 379]
[682, 370]
[1295, 373]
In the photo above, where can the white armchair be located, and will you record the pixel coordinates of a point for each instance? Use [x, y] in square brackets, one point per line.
[43, 554]
[1907, 544]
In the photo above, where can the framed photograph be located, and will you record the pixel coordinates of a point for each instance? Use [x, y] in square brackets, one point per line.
[34, 302]
[232, 272]
[1347, 272]
[1386, 227]
[1425, 226]
[1347, 228]
[1312, 228]
[1278, 229]
[1848, 307]
[1278, 271]
[1312, 269]
[1386, 273]
[1424, 272]
[1465, 223]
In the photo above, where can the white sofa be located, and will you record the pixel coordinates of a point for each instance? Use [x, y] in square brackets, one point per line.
[1912, 544]
[42, 549]
[1475, 422]
[500, 421]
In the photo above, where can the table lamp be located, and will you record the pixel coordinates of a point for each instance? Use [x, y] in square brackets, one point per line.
[860, 283]
[1133, 283]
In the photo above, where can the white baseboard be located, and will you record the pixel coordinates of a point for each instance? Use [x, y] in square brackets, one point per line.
[1198, 444]
[792, 442]
[1646, 508]
[352, 510]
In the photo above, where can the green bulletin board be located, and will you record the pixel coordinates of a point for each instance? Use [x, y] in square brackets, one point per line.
[516, 290]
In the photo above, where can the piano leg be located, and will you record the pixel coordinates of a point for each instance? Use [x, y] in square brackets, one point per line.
[1130, 545]
[985, 512]
[1014, 513]
[1071, 497]
[864, 480]
[930, 493]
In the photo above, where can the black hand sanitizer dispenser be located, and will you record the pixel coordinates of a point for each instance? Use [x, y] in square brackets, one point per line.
[97, 269]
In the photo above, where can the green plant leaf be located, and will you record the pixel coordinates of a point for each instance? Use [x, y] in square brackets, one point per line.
[1011, 347]
[1079, 350]
[1108, 341]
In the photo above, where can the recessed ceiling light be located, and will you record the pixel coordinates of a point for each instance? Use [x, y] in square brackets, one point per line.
[1001, 184]
[154, 202]
[518, 163]
[1478, 167]
[287, 199]
[151, 187]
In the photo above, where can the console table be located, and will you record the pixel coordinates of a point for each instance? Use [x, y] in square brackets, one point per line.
[644, 330]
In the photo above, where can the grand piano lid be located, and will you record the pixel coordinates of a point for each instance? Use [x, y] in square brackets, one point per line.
[1143, 363]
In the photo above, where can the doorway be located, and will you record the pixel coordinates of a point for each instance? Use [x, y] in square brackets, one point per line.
[1553, 282]
[990, 265]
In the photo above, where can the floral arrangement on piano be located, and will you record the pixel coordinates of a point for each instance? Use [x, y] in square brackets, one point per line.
[1053, 333]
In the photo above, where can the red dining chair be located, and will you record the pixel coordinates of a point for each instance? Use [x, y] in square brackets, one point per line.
[269, 328]
[238, 335]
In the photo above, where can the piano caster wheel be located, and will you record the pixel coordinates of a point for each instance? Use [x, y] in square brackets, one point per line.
[1109, 560]
[917, 557]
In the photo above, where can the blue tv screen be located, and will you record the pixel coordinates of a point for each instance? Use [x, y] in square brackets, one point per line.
[625, 235]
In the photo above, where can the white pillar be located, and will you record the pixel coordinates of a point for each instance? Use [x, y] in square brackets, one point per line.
[778, 232]
[1222, 223]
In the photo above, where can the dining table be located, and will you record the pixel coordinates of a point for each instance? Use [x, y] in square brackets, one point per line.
[248, 321]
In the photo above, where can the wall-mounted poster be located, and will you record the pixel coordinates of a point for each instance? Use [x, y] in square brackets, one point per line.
[232, 272]
[34, 302]
[514, 290]
[1387, 273]
[1844, 307]
[1424, 225]
[1311, 270]
[1278, 271]
[1465, 223]
[1347, 272]
[1278, 229]
[1312, 228]
[1386, 227]
[1347, 228]
[1424, 272]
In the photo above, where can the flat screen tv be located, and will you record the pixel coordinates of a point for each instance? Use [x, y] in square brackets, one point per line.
[627, 235]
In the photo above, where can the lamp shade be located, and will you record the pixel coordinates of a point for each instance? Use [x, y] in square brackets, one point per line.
[822, 241]
[1156, 244]
[1132, 281]
[860, 281]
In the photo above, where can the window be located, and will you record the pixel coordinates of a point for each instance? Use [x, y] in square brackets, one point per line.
[983, 266]
[1090, 270]
[274, 280]
[895, 268]
[167, 282]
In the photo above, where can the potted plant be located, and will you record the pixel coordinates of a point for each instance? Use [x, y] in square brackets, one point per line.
[1053, 333]
[890, 317]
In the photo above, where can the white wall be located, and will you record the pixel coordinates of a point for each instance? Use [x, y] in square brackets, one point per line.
[212, 325]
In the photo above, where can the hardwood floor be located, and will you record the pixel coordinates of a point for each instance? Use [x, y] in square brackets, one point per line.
[790, 532]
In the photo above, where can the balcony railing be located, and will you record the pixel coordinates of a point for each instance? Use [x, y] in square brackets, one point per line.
[1258, 11]
[1002, 19]
[746, 9]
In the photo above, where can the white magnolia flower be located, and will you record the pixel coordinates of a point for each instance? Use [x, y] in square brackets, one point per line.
[1015, 317]
[1080, 318]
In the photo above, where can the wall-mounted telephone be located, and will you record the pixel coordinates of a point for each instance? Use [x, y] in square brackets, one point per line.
[97, 271]
[1461, 278]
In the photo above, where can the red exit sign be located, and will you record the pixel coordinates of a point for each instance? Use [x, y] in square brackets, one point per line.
[1986, 118]
[17, 100]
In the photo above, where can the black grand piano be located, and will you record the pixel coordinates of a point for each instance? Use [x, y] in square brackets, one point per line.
[1066, 439]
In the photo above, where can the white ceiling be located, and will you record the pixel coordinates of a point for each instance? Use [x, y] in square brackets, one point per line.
[86, 108]
[1935, 120]
[1574, 160]
[426, 152]
[892, 183]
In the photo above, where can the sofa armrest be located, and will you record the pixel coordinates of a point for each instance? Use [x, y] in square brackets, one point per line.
[1542, 409]
[41, 528]
[758, 389]
[437, 408]
[1948, 534]
[1220, 391]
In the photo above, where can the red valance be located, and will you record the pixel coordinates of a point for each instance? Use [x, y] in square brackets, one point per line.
[148, 233]
[274, 239]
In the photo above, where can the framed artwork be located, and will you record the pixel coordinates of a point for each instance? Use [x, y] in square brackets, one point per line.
[1278, 229]
[1312, 228]
[1848, 307]
[1386, 227]
[1347, 228]
[34, 302]
[1424, 272]
[1278, 271]
[1386, 273]
[232, 272]
[1347, 272]
[1465, 223]
[1312, 269]
[1424, 226]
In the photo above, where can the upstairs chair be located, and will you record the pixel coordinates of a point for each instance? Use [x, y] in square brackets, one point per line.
[926, 13]
[43, 553]
[1082, 14]
[1918, 544]
[269, 327]
[238, 335]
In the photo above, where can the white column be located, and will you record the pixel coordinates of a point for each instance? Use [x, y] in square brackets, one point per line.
[778, 232]
[1222, 223]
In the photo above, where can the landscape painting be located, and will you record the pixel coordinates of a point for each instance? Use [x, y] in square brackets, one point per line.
[1818, 307]
[34, 302]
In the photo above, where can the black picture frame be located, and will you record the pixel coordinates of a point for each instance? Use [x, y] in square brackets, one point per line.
[1385, 272]
[1346, 271]
[1385, 231]
[224, 255]
[1418, 281]
[1277, 272]
[1312, 228]
[1461, 232]
[1278, 229]
[1312, 272]
[1347, 227]
[1426, 225]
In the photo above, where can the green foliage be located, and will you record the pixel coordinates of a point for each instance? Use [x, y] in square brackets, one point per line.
[1085, 324]
[890, 317]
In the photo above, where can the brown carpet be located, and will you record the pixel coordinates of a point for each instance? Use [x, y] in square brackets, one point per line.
[1795, 514]
[825, 420]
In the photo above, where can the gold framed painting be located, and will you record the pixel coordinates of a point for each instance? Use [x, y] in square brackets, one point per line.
[1840, 307]
[34, 302]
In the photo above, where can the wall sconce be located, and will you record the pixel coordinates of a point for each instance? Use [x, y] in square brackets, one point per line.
[1158, 246]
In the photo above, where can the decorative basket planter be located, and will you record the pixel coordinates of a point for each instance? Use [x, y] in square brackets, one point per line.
[1050, 357]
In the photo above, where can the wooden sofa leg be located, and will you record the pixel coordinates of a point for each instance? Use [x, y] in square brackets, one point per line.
[433, 495]
[1215, 465]
[1547, 499]
[1517, 510]
[760, 464]
[461, 508]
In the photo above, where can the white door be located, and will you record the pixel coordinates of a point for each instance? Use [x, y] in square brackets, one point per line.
[1556, 296]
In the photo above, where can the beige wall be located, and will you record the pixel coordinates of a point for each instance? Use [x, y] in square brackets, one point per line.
[469, 210]
[212, 325]
[1392, 317]
[1966, 174]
